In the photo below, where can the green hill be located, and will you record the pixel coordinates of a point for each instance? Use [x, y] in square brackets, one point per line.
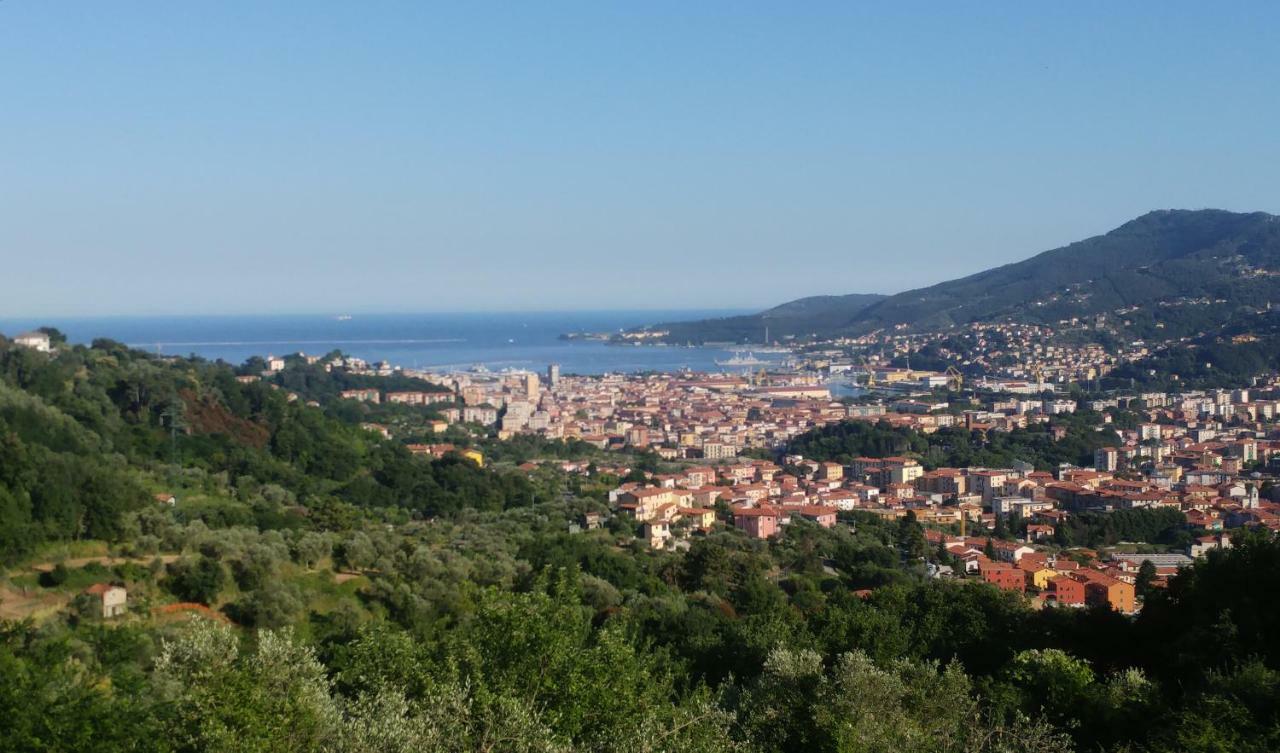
[316, 588]
[1192, 268]
[798, 318]
[1162, 256]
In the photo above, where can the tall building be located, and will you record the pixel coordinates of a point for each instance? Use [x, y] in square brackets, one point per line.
[553, 375]
[531, 386]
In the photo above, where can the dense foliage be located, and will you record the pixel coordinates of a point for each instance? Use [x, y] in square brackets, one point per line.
[796, 319]
[956, 446]
[84, 434]
[358, 598]
[1152, 526]
[1223, 359]
[1174, 265]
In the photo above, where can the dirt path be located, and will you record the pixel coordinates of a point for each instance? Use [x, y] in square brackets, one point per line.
[45, 567]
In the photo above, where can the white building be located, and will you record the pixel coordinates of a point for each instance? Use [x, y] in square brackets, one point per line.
[1056, 407]
[113, 599]
[34, 340]
[1022, 506]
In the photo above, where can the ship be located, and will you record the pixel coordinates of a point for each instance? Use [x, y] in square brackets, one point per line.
[740, 360]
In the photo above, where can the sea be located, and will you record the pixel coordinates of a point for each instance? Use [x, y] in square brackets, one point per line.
[433, 342]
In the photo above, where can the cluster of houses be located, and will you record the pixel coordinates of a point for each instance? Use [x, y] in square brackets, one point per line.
[437, 451]
[1023, 358]
[690, 496]
[1055, 578]
[1197, 466]
[678, 416]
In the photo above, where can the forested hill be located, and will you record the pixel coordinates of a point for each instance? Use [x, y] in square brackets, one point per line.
[1161, 256]
[1171, 258]
[317, 589]
[799, 318]
[89, 435]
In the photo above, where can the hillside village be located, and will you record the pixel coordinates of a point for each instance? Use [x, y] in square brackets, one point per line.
[697, 508]
[1198, 453]
[640, 378]
[727, 443]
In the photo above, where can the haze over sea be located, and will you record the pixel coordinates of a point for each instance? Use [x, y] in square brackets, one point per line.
[424, 341]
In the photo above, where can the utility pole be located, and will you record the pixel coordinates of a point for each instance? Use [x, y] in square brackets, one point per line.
[173, 414]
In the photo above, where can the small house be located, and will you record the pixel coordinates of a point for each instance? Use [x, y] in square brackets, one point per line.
[112, 599]
[35, 340]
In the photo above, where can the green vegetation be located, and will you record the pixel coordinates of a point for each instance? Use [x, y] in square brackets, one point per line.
[1189, 259]
[959, 447]
[363, 599]
[799, 319]
[1159, 526]
[1224, 359]
[88, 436]
[312, 381]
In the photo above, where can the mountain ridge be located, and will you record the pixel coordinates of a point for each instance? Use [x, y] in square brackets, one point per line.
[1164, 257]
[795, 318]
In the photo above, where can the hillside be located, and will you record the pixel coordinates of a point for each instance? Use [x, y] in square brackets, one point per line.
[1162, 256]
[797, 318]
[296, 583]
[88, 435]
[1190, 269]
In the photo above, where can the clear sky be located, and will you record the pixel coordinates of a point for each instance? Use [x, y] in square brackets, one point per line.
[240, 157]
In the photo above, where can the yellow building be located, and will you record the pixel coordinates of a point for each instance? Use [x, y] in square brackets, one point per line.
[1040, 578]
[475, 456]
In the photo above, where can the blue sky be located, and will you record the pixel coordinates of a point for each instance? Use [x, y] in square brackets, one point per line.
[240, 157]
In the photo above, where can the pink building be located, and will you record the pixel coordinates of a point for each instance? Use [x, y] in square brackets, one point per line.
[756, 522]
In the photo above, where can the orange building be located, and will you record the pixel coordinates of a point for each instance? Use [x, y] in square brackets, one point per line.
[1003, 576]
[1101, 588]
[1065, 591]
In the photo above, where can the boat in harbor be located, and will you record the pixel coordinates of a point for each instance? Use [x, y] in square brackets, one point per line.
[740, 360]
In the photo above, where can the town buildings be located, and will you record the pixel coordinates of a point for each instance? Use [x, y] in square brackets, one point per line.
[1193, 451]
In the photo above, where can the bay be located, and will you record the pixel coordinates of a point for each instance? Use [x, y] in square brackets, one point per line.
[433, 341]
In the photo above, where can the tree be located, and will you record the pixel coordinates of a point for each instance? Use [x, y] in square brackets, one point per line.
[56, 337]
[799, 704]
[55, 577]
[310, 548]
[1146, 575]
[357, 552]
[273, 605]
[199, 580]
[1002, 528]
[273, 700]
[911, 537]
[1052, 680]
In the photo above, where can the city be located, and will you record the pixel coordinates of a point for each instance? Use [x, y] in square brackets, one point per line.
[1204, 454]
[590, 377]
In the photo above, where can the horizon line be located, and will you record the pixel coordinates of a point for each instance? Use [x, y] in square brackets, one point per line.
[356, 313]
